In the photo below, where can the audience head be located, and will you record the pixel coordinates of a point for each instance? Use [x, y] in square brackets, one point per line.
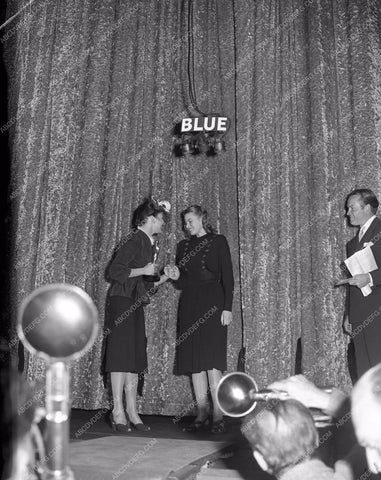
[281, 435]
[366, 415]
[194, 220]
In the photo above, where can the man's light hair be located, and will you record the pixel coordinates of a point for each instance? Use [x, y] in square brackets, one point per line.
[283, 432]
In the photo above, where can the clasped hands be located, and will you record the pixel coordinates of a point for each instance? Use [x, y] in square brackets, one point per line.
[172, 272]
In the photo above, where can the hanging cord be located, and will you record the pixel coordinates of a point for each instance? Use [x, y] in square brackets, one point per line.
[16, 14]
[191, 67]
[243, 338]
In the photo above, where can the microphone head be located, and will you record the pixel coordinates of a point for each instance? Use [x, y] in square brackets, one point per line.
[58, 321]
[236, 394]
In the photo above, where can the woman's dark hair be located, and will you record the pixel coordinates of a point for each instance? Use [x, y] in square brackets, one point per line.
[149, 207]
[200, 212]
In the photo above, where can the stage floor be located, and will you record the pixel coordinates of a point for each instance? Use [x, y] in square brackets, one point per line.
[166, 452]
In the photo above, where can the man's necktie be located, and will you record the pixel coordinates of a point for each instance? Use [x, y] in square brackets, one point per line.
[361, 233]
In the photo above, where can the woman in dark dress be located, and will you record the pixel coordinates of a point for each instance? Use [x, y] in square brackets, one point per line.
[125, 352]
[204, 273]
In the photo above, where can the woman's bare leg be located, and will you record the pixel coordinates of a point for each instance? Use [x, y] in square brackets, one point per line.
[130, 389]
[117, 383]
[200, 385]
[214, 377]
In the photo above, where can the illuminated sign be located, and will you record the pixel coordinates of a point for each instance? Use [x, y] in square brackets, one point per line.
[204, 124]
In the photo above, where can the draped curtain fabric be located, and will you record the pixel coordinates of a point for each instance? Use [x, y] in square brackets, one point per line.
[95, 90]
[308, 99]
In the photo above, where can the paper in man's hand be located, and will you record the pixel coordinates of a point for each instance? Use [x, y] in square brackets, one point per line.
[362, 261]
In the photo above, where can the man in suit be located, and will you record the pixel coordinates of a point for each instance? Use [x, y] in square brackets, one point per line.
[364, 312]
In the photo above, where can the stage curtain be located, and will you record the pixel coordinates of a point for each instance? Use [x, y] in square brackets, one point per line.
[95, 90]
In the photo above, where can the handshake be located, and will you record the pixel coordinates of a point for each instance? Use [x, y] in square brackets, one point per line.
[172, 272]
[151, 273]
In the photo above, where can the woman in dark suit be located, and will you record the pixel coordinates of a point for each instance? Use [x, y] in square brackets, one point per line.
[125, 352]
[204, 274]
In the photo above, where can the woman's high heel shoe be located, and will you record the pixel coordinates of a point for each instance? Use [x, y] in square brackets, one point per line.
[196, 425]
[141, 427]
[119, 427]
[218, 427]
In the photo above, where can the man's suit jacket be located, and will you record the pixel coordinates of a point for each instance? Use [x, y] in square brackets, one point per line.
[361, 308]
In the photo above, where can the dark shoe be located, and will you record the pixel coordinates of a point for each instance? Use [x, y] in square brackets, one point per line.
[218, 427]
[119, 427]
[141, 427]
[196, 425]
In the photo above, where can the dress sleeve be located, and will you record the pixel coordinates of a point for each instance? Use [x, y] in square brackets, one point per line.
[227, 277]
[120, 267]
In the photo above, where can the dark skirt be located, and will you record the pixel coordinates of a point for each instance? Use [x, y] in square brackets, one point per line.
[126, 341]
[201, 339]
